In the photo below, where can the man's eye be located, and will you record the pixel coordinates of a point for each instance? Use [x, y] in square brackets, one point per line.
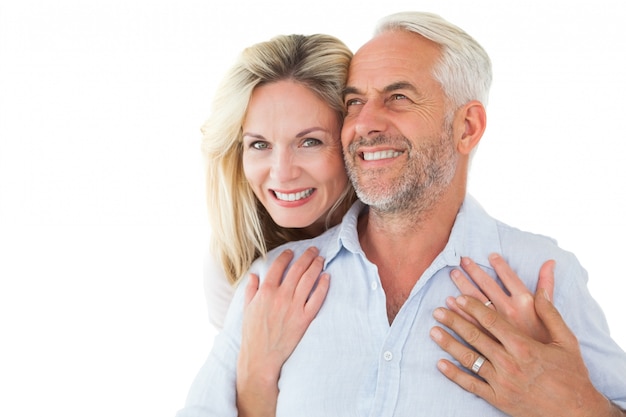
[309, 142]
[352, 102]
[398, 97]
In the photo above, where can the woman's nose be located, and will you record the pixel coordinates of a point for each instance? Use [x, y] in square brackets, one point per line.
[284, 165]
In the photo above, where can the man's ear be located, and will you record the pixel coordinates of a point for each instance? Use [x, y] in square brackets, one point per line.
[474, 119]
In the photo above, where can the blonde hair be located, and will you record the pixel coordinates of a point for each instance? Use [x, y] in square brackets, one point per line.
[241, 228]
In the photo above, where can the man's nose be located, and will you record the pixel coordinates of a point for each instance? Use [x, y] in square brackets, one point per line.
[370, 120]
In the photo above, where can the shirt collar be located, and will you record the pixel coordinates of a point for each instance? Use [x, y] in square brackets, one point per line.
[344, 235]
[474, 234]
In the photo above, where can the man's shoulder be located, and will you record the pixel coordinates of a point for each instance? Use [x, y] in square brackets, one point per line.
[525, 247]
[326, 243]
[514, 233]
[324, 240]
[329, 243]
[491, 234]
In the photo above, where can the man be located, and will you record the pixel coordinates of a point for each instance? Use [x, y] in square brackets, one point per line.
[415, 114]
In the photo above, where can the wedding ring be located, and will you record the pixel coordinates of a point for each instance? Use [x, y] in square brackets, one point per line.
[478, 363]
[488, 303]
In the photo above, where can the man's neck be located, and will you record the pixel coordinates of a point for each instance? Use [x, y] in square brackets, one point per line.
[403, 245]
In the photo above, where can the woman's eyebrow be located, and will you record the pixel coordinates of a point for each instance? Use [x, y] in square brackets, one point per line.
[311, 129]
[252, 135]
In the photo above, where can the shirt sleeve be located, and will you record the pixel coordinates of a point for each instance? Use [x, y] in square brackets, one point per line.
[213, 391]
[605, 360]
[217, 290]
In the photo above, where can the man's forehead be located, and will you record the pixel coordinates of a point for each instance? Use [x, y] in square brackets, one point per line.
[392, 57]
[398, 42]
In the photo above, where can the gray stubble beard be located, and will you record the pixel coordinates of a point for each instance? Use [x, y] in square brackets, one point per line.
[429, 171]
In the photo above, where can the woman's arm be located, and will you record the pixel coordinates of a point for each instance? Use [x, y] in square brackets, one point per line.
[276, 316]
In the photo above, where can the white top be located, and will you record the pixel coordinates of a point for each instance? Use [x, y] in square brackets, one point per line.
[217, 290]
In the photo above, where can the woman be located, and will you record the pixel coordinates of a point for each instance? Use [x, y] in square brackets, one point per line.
[275, 174]
[262, 112]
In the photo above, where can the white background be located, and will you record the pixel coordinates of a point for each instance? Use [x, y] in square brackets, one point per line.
[102, 221]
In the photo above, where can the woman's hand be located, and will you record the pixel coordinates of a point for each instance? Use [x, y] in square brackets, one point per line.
[276, 315]
[517, 307]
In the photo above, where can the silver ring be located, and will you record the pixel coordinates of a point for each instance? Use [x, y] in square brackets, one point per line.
[488, 303]
[478, 363]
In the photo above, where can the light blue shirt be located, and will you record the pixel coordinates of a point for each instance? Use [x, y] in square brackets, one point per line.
[351, 362]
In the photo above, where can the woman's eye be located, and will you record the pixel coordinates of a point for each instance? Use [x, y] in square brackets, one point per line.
[309, 142]
[260, 145]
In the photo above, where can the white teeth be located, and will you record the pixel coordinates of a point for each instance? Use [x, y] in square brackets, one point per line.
[294, 196]
[375, 156]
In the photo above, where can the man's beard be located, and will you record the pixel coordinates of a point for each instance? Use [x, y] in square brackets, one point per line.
[427, 174]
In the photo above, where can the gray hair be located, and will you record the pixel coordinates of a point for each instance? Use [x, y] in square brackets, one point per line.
[464, 70]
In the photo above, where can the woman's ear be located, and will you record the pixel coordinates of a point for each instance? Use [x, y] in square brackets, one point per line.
[474, 122]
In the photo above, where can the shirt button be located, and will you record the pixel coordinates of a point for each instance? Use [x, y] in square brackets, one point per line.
[374, 285]
[388, 356]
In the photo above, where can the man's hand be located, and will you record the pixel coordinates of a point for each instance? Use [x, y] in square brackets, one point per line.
[521, 376]
[517, 307]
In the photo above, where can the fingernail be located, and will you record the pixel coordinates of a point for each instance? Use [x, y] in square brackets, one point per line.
[461, 300]
[439, 314]
[455, 274]
[465, 261]
[494, 256]
[545, 294]
[435, 334]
